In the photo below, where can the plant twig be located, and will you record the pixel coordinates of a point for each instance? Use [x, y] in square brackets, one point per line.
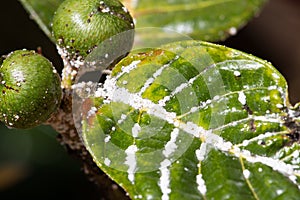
[62, 121]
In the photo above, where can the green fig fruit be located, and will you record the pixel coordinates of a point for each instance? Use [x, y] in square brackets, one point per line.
[29, 89]
[80, 25]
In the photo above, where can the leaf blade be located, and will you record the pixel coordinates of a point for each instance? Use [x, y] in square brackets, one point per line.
[199, 19]
[233, 104]
[42, 13]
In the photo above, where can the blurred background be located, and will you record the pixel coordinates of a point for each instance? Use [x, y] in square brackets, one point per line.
[33, 165]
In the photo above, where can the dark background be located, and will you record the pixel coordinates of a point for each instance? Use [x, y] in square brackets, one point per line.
[32, 163]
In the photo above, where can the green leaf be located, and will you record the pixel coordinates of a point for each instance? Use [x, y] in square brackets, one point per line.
[209, 20]
[194, 120]
[42, 11]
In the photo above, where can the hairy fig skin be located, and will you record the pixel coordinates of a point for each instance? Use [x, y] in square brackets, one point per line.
[80, 25]
[29, 89]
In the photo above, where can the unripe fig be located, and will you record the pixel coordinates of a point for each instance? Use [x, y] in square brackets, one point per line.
[80, 25]
[30, 89]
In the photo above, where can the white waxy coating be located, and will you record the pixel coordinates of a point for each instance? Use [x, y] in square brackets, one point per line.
[242, 98]
[107, 161]
[232, 31]
[171, 146]
[201, 184]
[164, 181]
[246, 173]
[237, 73]
[131, 162]
[136, 129]
[18, 75]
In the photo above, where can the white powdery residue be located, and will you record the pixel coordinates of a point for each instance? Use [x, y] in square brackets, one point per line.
[107, 161]
[201, 184]
[217, 141]
[128, 68]
[240, 64]
[77, 63]
[292, 113]
[260, 169]
[296, 154]
[105, 10]
[124, 9]
[123, 117]
[245, 143]
[163, 101]
[232, 31]
[92, 112]
[293, 178]
[122, 95]
[115, 94]
[277, 165]
[266, 98]
[216, 98]
[138, 196]
[207, 102]
[107, 89]
[18, 75]
[192, 129]
[200, 153]
[242, 98]
[246, 87]
[272, 87]
[136, 129]
[269, 118]
[161, 113]
[194, 109]
[257, 138]
[279, 192]
[202, 105]
[279, 106]
[179, 88]
[151, 80]
[164, 181]
[131, 161]
[146, 85]
[237, 73]
[276, 76]
[107, 139]
[171, 145]
[149, 197]
[246, 173]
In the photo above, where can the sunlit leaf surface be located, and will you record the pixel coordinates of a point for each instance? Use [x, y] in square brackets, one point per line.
[193, 120]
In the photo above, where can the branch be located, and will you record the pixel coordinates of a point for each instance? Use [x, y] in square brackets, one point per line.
[62, 121]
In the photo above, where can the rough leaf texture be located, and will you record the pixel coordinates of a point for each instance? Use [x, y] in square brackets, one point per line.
[193, 120]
